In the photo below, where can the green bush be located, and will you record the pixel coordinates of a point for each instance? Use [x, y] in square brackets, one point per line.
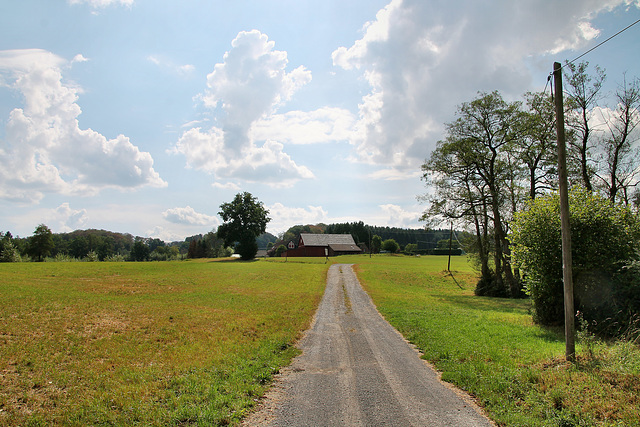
[9, 253]
[604, 239]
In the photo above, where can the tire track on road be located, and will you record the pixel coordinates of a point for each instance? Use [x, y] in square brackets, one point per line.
[357, 370]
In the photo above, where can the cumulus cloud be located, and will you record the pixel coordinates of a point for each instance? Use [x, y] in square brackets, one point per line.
[413, 48]
[159, 232]
[397, 216]
[298, 127]
[391, 215]
[79, 58]
[226, 186]
[189, 216]
[45, 150]
[246, 88]
[68, 219]
[283, 217]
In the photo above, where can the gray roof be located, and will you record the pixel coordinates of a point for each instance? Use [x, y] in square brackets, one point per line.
[326, 239]
[345, 248]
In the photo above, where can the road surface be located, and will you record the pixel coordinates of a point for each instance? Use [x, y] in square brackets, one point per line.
[356, 370]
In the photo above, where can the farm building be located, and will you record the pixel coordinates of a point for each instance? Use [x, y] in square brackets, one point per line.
[323, 245]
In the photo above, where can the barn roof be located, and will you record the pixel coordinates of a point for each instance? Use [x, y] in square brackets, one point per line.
[345, 248]
[327, 239]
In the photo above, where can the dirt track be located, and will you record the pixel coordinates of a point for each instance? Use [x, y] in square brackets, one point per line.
[356, 370]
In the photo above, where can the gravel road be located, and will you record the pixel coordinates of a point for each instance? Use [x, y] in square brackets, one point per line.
[357, 370]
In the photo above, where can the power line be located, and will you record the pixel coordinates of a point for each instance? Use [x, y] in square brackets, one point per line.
[600, 44]
[589, 51]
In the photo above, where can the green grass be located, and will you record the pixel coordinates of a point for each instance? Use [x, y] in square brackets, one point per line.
[490, 347]
[197, 342]
[169, 343]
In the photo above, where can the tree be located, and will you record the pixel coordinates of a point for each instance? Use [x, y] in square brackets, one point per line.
[280, 250]
[390, 246]
[140, 251]
[583, 94]
[376, 243]
[620, 159]
[476, 153]
[9, 253]
[41, 243]
[410, 248]
[536, 147]
[245, 218]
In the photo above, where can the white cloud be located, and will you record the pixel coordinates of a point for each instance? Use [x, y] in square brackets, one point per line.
[413, 48]
[159, 232]
[66, 219]
[391, 215]
[395, 174]
[396, 216]
[162, 62]
[283, 217]
[189, 216]
[79, 58]
[248, 86]
[226, 186]
[101, 4]
[298, 127]
[45, 150]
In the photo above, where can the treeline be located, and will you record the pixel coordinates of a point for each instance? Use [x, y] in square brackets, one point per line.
[499, 156]
[422, 241]
[85, 245]
[102, 245]
[425, 240]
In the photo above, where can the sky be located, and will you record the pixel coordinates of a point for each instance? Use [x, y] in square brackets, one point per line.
[144, 116]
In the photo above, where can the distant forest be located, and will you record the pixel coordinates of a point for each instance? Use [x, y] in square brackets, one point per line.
[107, 245]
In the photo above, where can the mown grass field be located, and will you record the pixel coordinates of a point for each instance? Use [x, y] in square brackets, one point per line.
[490, 347]
[197, 342]
[169, 343]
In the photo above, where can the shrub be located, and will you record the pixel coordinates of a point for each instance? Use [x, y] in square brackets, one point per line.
[391, 246]
[604, 239]
[411, 248]
[10, 253]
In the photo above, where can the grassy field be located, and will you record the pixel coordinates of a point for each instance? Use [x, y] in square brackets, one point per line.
[490, 347]
[169, 343]
[197, 342]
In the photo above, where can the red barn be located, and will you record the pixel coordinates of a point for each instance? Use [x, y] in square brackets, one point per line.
[324, 245]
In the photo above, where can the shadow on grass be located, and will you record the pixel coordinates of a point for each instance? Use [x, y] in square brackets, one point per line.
[234, 260]
[503, 305]
[449, 273]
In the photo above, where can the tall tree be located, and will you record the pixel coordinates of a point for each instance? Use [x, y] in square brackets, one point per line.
[245, 218]
[459, 195]
[41, 243]
[536, 147]
[474, 178]
[140, 251]
[583, 94]
[620, 160]
[487, 126]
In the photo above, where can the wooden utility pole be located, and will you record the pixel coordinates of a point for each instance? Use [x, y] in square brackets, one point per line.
[450, 238]
[567, 274]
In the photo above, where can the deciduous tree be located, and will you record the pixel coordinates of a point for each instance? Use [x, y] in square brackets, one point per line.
[41, 243]
[245, 218]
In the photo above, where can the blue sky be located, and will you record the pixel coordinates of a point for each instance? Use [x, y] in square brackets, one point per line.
[143, 116]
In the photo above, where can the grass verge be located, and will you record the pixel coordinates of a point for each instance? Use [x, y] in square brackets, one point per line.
[168, 343]
[490, 347]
